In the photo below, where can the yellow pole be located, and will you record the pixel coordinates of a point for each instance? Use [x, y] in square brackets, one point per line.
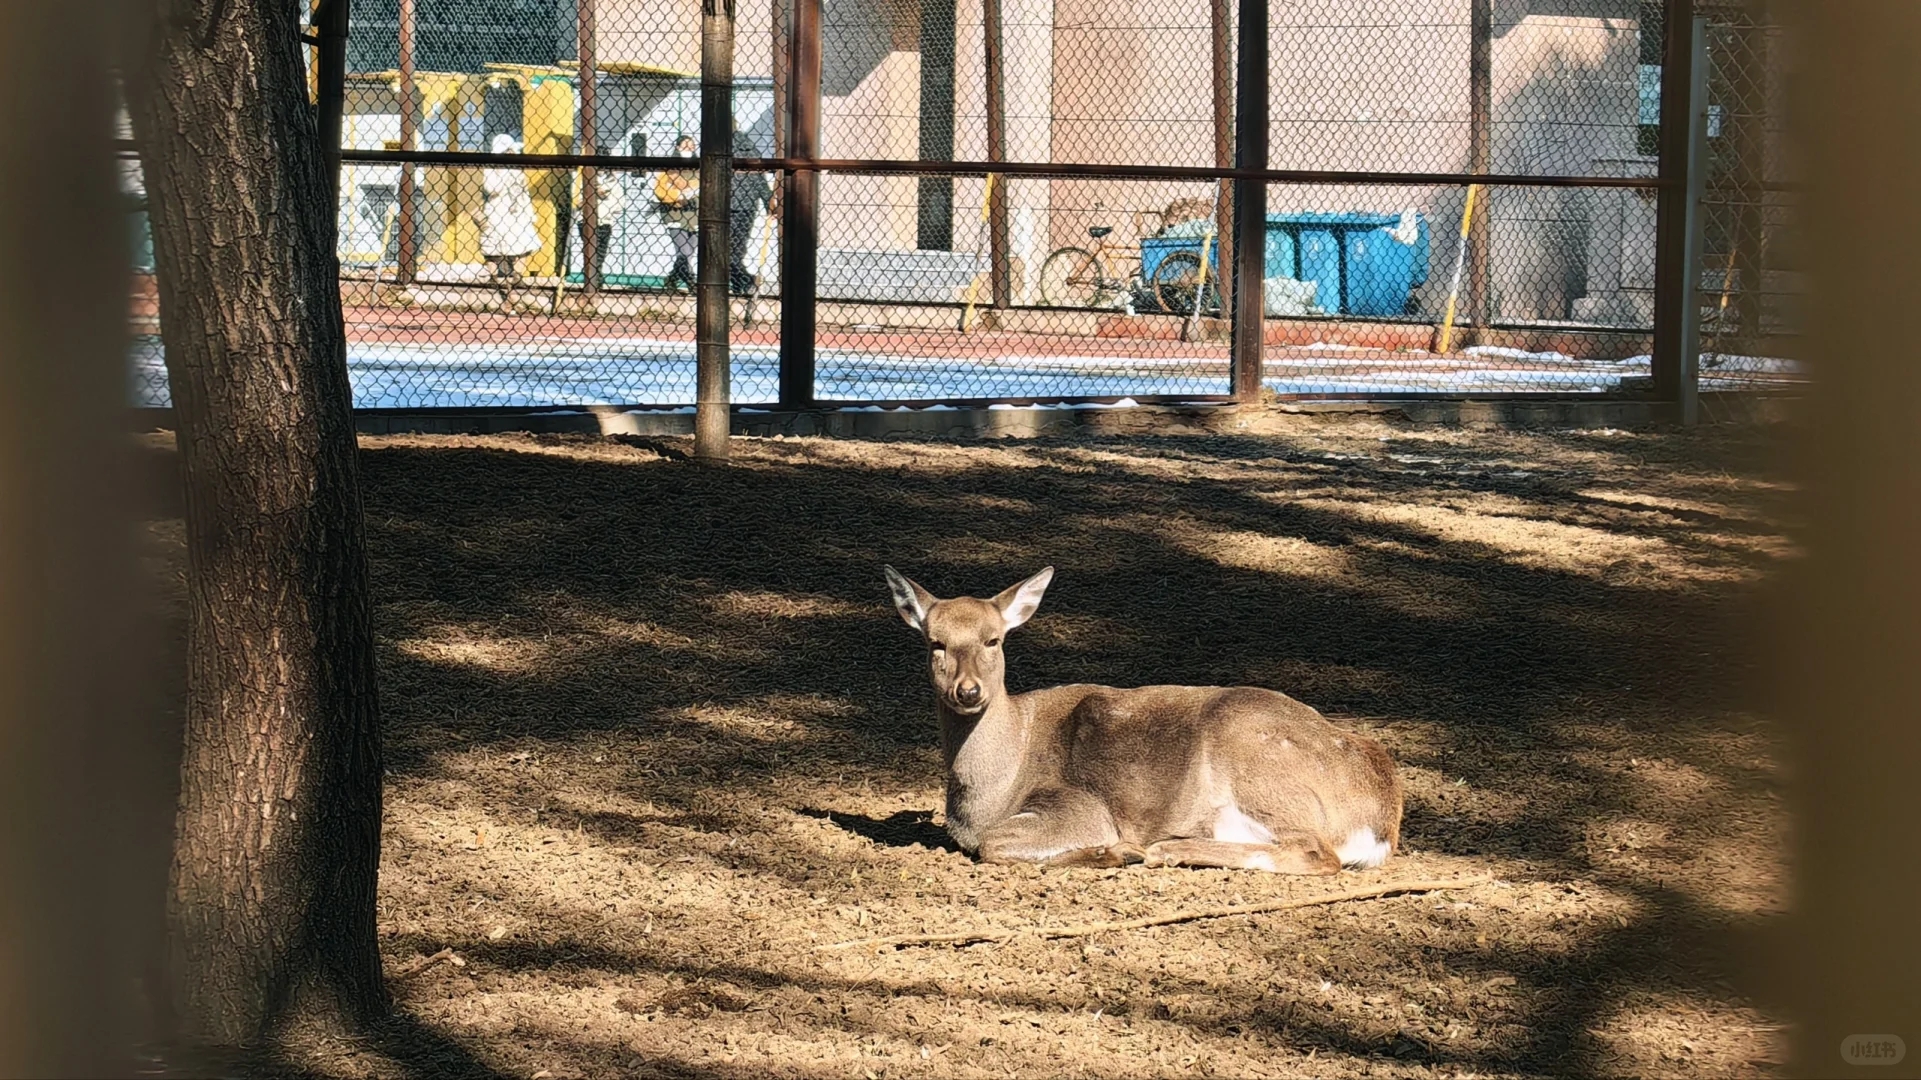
[1460, 260]
[973, 285]
[1193, 327]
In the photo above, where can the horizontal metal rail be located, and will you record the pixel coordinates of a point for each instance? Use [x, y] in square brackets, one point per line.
[1373, 178]
[1060, 170]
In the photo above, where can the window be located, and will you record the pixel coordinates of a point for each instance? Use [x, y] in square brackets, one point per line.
[462, 35]
[1647, 133]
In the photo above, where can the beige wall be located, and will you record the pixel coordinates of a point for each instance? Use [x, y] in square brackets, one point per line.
[1358, 85]
[878, 118]
[662, 32]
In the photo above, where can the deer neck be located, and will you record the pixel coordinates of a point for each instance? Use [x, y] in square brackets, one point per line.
[983, 755]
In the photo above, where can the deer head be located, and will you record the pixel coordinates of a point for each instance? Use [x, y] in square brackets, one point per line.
[964, 635]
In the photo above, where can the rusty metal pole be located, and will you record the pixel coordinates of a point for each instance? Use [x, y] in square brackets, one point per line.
[1675, 356]
[1000, 274]
[1219, 19]
[777, 65]
[407, 258]
[782, 72]
[1480, 155]
[800, 206]
[712, 413]
[1250, 202]
[589, 185]
[330, 93]
[1688, 334]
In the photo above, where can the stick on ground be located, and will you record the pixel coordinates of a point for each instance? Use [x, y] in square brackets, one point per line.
[423, 964]
[973, 937]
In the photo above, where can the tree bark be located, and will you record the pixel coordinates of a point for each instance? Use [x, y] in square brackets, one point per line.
[273, 885]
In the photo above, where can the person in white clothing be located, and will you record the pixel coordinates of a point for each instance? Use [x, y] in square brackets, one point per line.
[507, 233]
[610, 201]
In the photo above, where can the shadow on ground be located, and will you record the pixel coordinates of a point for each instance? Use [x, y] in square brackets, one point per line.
[608, 653]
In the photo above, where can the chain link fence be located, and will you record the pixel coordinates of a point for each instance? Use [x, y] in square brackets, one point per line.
[1752, 285]
[1032, 200]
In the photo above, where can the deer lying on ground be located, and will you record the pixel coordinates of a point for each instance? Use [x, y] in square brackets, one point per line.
[1088, 775]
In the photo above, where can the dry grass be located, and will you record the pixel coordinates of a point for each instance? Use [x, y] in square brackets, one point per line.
[654, 733]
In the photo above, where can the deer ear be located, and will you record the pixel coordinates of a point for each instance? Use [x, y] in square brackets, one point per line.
[910, 599]
[1019, 603]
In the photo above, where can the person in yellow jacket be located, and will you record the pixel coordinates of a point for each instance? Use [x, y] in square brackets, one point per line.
[678, 193]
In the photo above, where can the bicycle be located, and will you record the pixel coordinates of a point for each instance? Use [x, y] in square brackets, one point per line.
[1177, 281]
[1085, 276]
[1178, 278]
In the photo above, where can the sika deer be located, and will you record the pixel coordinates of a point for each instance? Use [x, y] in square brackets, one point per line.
[1088, 775]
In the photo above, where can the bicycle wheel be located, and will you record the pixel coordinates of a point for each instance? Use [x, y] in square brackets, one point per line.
[1071, 277]
[1177, 279]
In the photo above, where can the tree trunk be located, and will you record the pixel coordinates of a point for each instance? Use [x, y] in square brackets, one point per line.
[272, 894]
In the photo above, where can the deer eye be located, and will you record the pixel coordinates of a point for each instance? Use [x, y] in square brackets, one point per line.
[992, 643]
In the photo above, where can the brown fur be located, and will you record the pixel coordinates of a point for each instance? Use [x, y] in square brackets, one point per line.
[1093, 775]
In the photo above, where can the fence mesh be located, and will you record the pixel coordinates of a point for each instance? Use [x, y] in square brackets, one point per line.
[1096, 297]
[1752, 285]
[520, 286]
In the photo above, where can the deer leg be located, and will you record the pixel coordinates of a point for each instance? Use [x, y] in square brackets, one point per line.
[1058, 827]
[1287, 853]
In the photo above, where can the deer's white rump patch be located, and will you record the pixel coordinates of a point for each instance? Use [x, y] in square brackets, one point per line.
[1363, 849]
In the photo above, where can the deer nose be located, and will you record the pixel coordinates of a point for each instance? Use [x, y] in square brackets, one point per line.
[969, 693]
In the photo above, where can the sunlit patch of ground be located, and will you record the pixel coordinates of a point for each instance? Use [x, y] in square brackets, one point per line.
[655, 734]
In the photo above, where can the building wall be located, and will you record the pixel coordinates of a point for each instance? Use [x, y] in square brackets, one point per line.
[1133, 85]
[1378, 85]
[1356, 84]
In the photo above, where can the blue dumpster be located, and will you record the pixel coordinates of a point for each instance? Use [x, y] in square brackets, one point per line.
[1155, 249]
[1356, 261]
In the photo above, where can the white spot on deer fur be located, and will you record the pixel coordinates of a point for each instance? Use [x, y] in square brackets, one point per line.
[1262, 860]
[1237, 828]
[1363, 850]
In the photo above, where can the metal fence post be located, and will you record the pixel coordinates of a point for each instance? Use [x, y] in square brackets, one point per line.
[1677, 274]
[1480, 66]
[587, 41]
[1689, 397]
[800, 209]
[1250, 205]
[407, 249]
[994, 65]
[1221, 34]
[330, 97]
[712, 415]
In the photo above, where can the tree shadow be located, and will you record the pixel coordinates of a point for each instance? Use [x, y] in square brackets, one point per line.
[734, 624]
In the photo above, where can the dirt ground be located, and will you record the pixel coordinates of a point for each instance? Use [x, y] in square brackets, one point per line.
[655, 735]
